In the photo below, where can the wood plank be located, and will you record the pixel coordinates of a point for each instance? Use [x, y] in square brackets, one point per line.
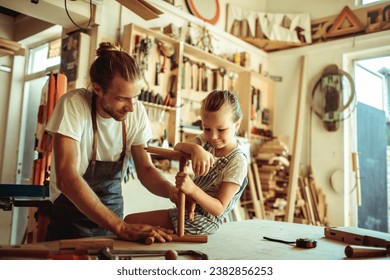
[259, 190]
[313, 203]
[139, 8]
[302, 205]
[269, 45]
[307, 196]
[252, 190]
[297, 143]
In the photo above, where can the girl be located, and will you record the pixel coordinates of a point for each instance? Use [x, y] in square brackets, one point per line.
[219, 165]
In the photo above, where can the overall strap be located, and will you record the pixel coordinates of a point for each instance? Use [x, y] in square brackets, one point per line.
[94, 128]
[205, 181]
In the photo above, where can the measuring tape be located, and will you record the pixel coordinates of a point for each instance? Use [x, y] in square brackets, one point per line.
[300, 242]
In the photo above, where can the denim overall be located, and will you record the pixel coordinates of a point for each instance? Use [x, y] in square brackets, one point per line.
[104, 178]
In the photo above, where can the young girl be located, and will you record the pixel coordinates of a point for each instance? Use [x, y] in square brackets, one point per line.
[219, 165]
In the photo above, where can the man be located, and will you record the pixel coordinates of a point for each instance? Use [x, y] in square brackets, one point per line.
[94, 134]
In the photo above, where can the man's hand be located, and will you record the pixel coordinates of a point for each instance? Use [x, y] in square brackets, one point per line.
[136, 232]
[174, 195]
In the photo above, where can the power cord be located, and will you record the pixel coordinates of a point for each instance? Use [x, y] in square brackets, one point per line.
[300, 242]
[90, 15]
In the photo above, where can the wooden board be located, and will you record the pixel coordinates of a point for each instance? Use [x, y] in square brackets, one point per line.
[297, 143]
[145, 11]
[269, 45]
[258, 188]
[358, 236]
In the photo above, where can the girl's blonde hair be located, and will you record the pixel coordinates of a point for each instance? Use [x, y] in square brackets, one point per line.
[217, 99]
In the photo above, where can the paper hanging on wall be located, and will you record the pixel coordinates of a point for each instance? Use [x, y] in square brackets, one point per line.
[274, 26]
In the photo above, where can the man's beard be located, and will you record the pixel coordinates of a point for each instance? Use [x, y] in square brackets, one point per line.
[118, 116]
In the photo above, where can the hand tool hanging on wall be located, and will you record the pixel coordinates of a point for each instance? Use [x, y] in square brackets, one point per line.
[144, 51]
[183, 72]
[168, 101]
[232, 77]
[157, 74]
[166, 51]
[258, 105]
[192, 63]
[141, 96]
[199, 76]
[137, 46]
[204, 77]
[215, 78]
[222, 72]
[158, 100]
[172, 85]
[174, 64]
[253, 94]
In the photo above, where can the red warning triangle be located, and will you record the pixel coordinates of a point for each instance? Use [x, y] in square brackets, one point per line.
[345, 23]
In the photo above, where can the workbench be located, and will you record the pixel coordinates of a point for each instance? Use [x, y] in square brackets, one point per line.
[243, 240]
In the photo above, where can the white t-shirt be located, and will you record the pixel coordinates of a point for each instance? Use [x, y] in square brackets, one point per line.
[72, 117]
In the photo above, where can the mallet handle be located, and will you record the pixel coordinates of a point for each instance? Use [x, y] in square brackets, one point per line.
[352, 251]
[182, 202]
[184, 238]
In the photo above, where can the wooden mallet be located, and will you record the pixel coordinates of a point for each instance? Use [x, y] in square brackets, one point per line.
[182, 158]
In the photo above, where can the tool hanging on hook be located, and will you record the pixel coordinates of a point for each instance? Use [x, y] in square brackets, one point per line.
[332, 86]
[166, 51]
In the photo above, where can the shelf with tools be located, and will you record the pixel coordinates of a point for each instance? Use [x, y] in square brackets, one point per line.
[189, 74]
[257, 102]
[157, 56]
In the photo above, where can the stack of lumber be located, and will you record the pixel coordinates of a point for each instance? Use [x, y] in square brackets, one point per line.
[310, 203]
[8, 47]
[272, 165]
[252, 200]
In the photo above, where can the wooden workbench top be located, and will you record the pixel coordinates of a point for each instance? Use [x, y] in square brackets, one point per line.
[243, 240]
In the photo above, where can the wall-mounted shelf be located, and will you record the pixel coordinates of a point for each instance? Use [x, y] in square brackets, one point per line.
[269, 45]
[195, 74]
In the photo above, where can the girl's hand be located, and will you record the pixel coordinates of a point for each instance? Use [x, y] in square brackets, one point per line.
[202, 161]
[184, 183]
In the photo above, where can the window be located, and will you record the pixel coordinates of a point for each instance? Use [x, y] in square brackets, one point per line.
[40, 58]
[366, 2]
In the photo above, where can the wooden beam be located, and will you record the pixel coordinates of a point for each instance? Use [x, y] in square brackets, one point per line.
[141, 8]
[297, 143]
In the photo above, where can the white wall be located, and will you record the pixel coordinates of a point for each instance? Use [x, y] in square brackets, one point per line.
[321, 149]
